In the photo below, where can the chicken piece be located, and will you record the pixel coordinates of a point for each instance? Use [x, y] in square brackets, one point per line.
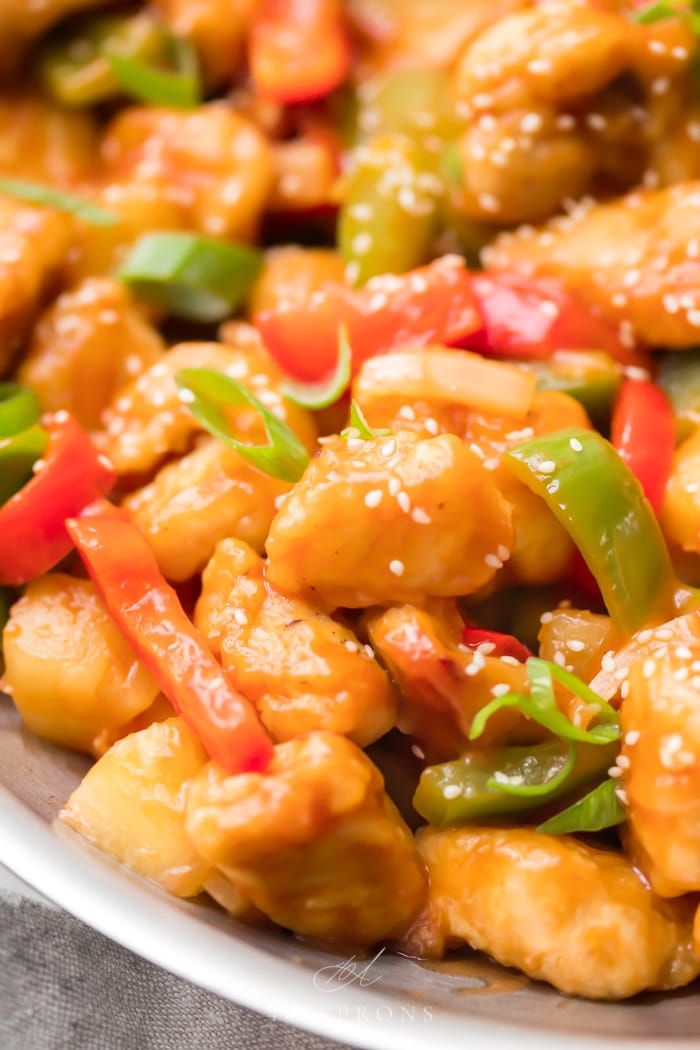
[219, 164]
[302, 670]
[591, 636]
[560, 911]
[88, 344]
[314, 843]
[139, 207]
[131, 804]
[680, 517]
[68, 669]
[147, 420]
[43, 142]
[217, 28]
[198, 500]
[661, 775]
[557, 53]
[306, 173]
[33, 243]
[541, 550]
[390, 519]
[423, 33]
[23, 22]
[636, 259]
[442, 683]
[292, 274]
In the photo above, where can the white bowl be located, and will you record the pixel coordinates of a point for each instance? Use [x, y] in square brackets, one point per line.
[395, 1004]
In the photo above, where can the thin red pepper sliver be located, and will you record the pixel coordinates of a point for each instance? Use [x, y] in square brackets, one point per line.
[148, 612]
[299, 50]
[33, 536]
[643, 432]
[505, 644]
[434, 304]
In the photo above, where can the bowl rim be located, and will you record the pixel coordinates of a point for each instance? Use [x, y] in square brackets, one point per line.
[141, 917]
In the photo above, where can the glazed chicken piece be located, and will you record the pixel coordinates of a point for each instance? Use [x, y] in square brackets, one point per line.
[44, 142]
[33, 244]
[314, 843]
[147, 420]
[443, 683]
[560, 911]
[68, 669]
[302, 670]
[636, 259]
[198, 500]
[292, 274]
[217, 163]
[217, 28]
[390, 519]
[131, 804]
[680, 516]
[23, 22]
[91, 342]
[661, 768]
[541, 550]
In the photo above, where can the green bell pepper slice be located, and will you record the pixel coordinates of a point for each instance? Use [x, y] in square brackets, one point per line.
[73, 64]
[480, 785]
[18, 454]
[601, 505]
[679, 376]
[388, 216]
[19, 408]
[592, 377]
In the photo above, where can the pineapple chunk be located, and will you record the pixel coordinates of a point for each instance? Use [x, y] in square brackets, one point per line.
[131, 804]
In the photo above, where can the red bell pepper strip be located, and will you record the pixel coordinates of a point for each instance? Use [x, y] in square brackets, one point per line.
[434, 304]
[33, 536]
[299, 50]
[148, 612]
[505, 644]
[533, 317]
[643, 431]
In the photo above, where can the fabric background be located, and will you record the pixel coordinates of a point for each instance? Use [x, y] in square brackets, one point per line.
[65, 987]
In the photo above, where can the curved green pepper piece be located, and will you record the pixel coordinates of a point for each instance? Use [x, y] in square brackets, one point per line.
[73, 64]
[592, 377]
[601, 505]
[679, 376]
[388, 217]
[19, 408]
[464, 791]
[416, 103]
[18, 454]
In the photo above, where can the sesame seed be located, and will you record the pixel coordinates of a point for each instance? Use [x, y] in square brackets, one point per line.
[368, 651]
[407, 412]
[61, 416]
[510, 660]
[431, 425]
[501, 689]
[187, 396]
[420, 516]
[576, 645]
[452, 791]
[394, 486]
[683, 652]
[388, 448]
[623, 761]
[622, 795]
[240, 617]
[417, 751]
[608, 662]
[547, 466]
[625, 689]
[397, 567]
[354, 444]
[546, 617]
[614, 772]
[560, 659]
[39, 464]
[352, 647]
[576, 445]
[404, 502]
[632, 737]
[503, 552]
[649, 668]
[493, 561]
[373, 498]
[645, 635]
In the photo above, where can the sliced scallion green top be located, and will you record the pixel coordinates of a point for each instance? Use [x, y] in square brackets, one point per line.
[328, 391]
[47, 196]
[179, 87]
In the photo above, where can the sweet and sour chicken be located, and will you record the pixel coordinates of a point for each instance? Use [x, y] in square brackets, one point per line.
[350, 463]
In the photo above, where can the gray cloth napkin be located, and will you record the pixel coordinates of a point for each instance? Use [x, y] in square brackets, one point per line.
[65, 987]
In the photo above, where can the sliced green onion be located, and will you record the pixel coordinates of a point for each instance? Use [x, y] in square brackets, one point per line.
[359, 427]
[327, 392]
[541, 707]
[657, 12]
[18, 454]
[195, 277]
[206, 393]
[598, 810]
[38, 193]
[19, 408]
[451, 164]
[512, 784]
[179, 89]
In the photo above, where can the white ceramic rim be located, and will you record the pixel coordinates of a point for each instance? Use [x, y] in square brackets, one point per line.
[138, 916]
